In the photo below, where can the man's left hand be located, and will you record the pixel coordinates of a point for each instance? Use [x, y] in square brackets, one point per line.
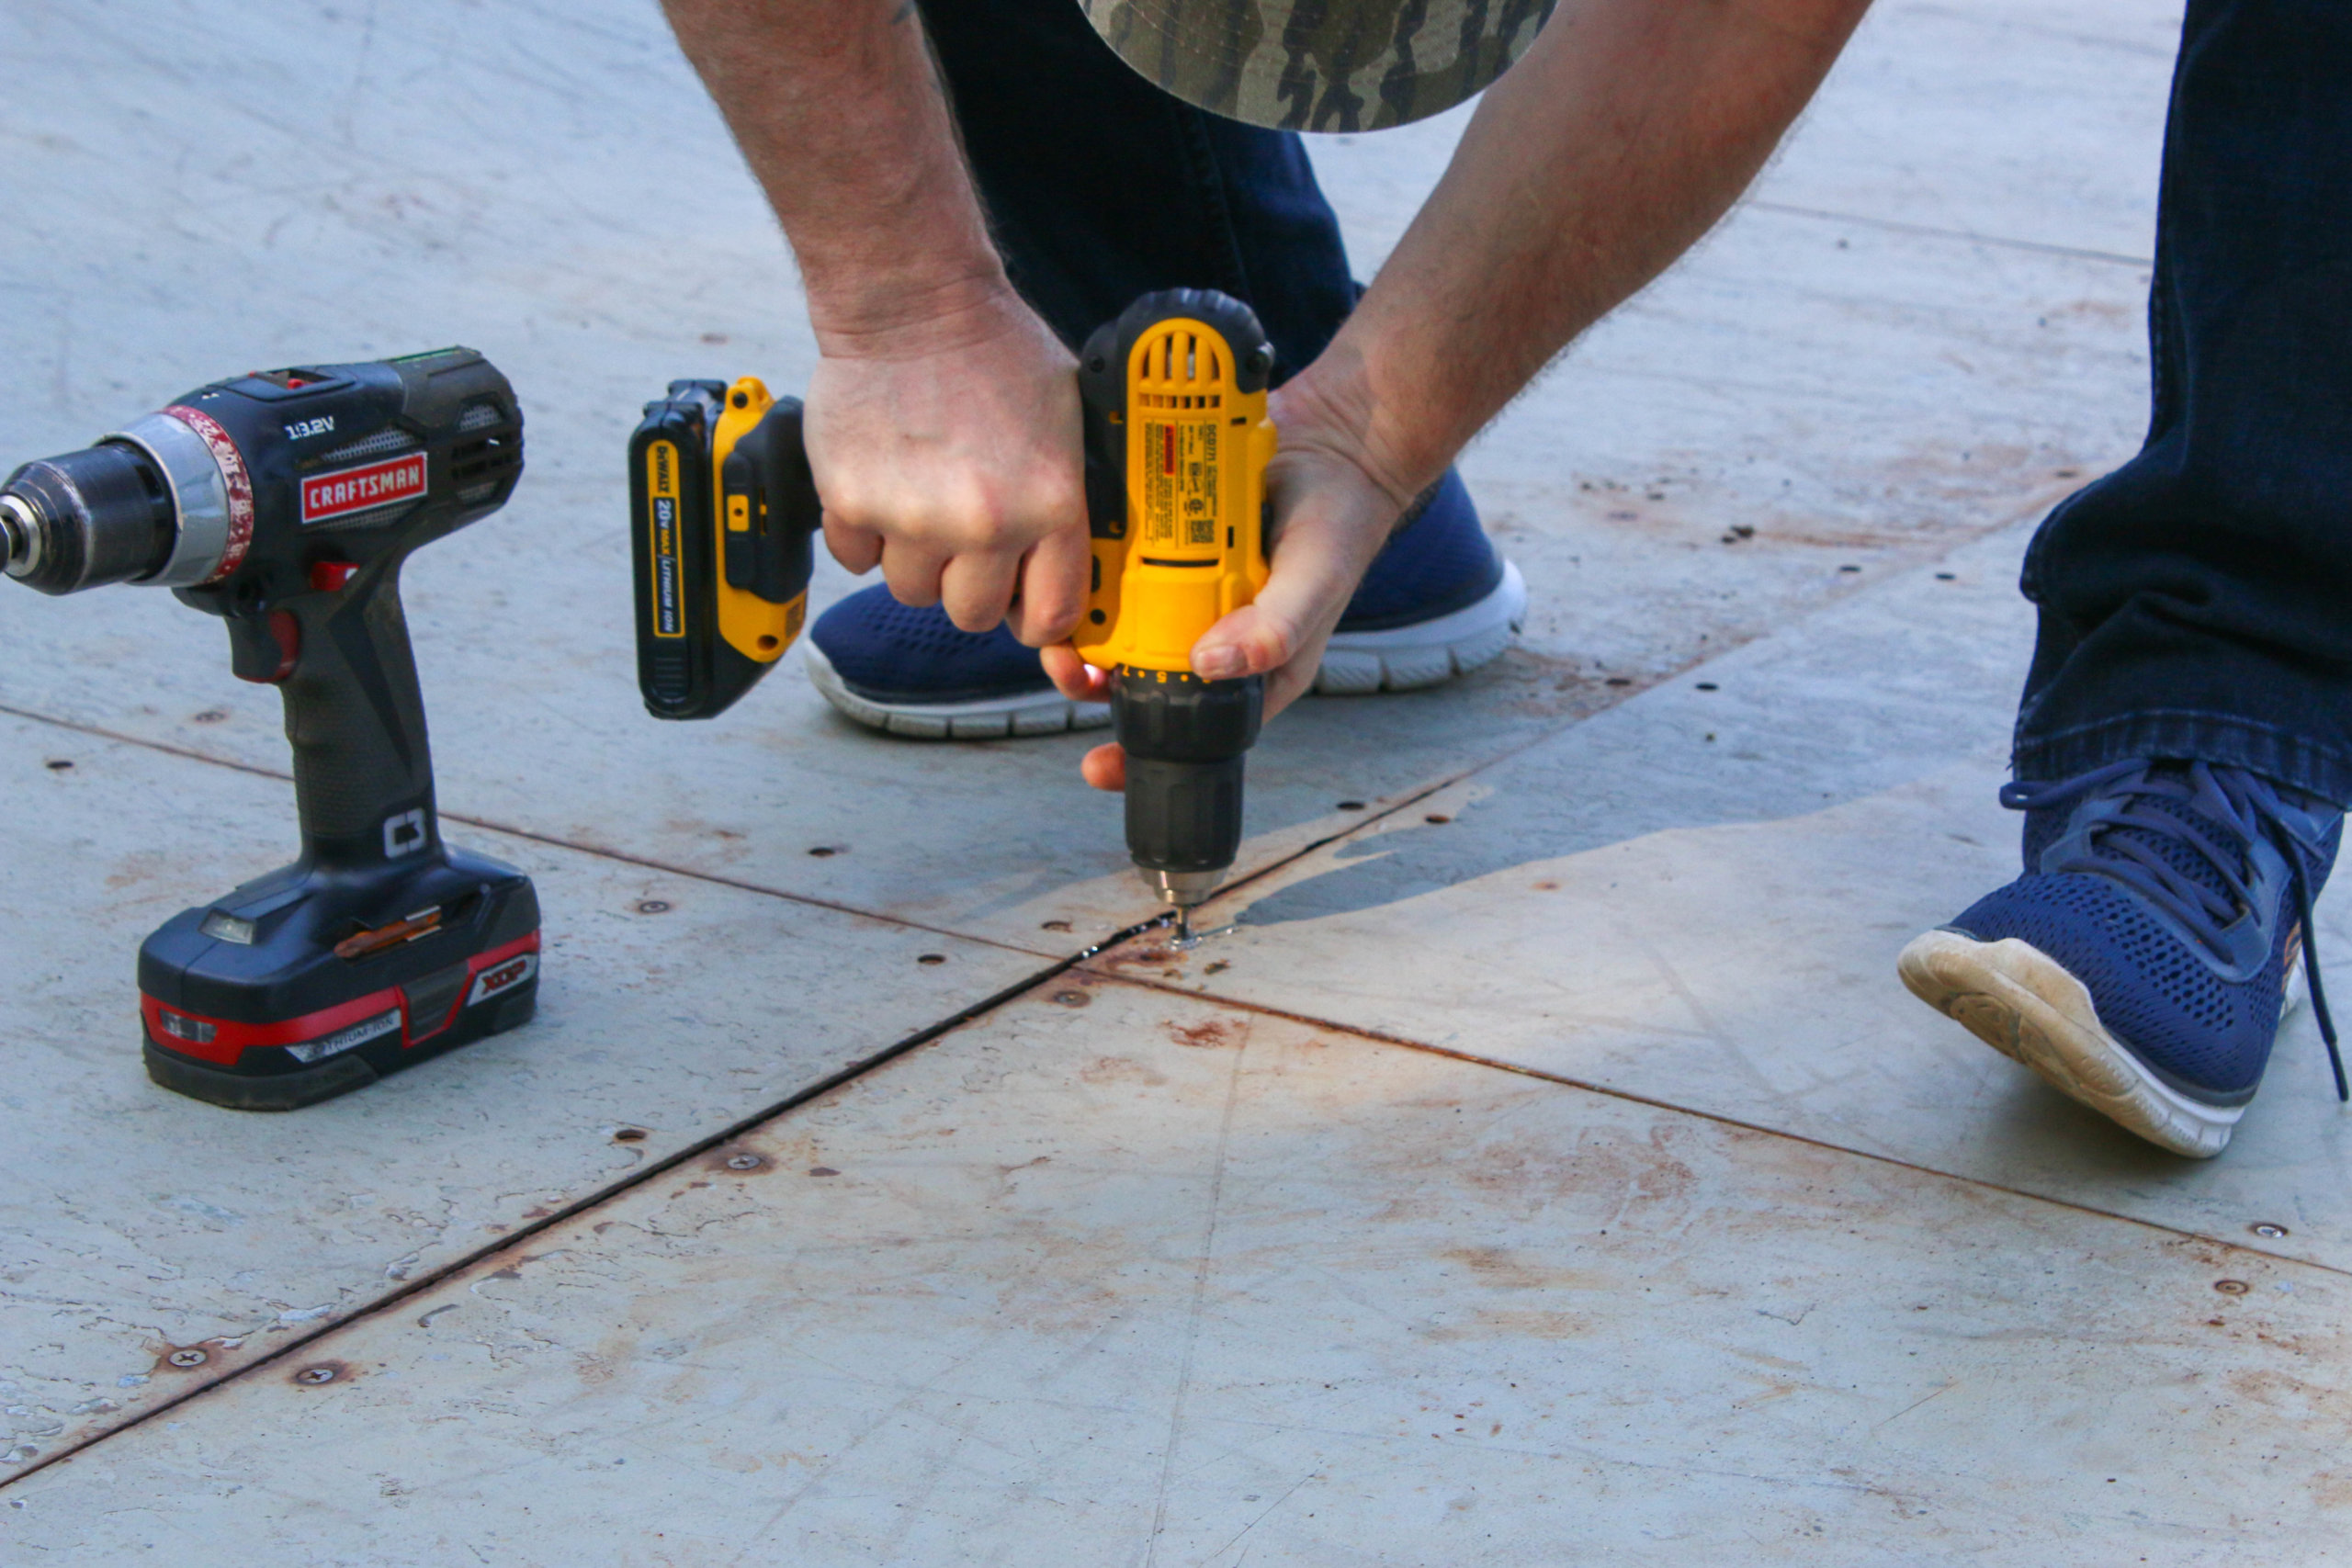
[1330, 509]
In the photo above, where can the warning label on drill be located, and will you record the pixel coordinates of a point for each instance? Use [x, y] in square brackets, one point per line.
[662, 495]
[363, 488]
[1179, 484]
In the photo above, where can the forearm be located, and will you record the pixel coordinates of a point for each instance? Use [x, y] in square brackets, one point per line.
[1627, 130]
[837, 109]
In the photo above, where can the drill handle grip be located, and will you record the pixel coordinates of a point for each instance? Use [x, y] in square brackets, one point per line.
[363, 774]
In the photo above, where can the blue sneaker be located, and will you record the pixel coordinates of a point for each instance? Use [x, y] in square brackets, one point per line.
[2143, 961]
[1438, 602]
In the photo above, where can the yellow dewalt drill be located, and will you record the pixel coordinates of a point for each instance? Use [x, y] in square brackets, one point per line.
[1177, 442]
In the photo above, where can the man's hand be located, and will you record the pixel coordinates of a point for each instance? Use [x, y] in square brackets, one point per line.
[948, 453]
[1331, 502]
[943, 417]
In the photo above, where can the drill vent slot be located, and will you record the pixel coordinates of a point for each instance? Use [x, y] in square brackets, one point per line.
[383, 444]
[487, 460]
[480, 416]
[1180, 372]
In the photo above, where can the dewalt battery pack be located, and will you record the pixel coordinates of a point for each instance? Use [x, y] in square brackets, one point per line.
[723, 519]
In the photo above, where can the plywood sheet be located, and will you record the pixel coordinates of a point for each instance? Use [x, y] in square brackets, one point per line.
[140, 1222]
[1150, 1281]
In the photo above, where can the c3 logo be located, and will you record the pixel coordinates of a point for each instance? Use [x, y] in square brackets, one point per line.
[404, 834]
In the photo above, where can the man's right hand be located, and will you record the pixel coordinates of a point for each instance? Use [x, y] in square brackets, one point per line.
[948, 452]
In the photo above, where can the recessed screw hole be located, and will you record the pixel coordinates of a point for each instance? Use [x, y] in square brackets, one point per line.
[1072, 999]
[1352, 805]
[932, 958]
[1947, 577]
[58, 765]
[1618, 681]
[211, 716]
[822, 1171]
[2268, 1232]
[653, 905]
[745, 1162]
[1709, 687]
[1437, 820]
[628, 1134]
[1055, 926]
[2232, 1287]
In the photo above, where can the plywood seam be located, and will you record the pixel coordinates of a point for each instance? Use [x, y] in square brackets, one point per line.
[1406, 1042]
[1545, 737]
[1964, 236]
[410, 1289]
[618, 857]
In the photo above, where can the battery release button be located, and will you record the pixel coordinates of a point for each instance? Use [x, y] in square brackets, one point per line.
[222, 926]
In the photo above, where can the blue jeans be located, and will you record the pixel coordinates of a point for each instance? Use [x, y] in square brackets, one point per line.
[2197, 601]
[1100, 188]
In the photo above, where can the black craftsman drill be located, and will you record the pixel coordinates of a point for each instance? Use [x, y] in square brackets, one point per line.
[285, 502]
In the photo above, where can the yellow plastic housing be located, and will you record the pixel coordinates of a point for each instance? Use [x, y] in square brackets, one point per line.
[752, 625]
[1197, 454]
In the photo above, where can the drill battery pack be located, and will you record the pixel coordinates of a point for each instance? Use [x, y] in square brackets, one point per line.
[723, 516]
[300, 986]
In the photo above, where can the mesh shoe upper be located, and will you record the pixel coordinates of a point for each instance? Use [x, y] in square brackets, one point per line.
[891, 652]
[885, 651]
[1439, 562]
[2168, 890]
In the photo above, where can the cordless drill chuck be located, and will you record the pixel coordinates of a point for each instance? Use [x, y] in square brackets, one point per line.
[285, 502]
[1186, 739]
[102, 514]
[1177, 442]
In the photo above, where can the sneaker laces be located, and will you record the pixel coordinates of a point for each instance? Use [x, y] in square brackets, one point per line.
[2197, 794]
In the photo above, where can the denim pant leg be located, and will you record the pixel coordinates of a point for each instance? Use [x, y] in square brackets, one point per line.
[2197, 601]
[1099, 186]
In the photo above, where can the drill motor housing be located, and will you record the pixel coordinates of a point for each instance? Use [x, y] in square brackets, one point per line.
[285, 502]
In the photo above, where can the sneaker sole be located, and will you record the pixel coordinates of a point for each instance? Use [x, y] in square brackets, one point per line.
[1406, 658]
[2024, 1004]
[1355, 663]
[1034, 713]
